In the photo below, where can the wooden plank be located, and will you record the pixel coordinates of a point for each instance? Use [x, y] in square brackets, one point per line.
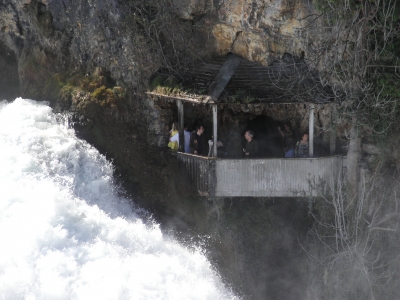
[197, 100]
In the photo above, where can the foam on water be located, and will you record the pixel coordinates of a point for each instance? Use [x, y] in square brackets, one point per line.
[66, 234]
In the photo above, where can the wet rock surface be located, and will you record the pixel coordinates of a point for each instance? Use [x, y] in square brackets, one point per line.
[79, 54]
[74, 54]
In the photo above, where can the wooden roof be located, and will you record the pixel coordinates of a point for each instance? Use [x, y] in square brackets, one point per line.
[285, 81]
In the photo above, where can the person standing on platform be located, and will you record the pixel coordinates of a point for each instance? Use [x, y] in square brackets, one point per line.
[302, 146]
[220, 148]
[197, 141]
[174, 137]
[288, 140]
[186, 138]
[251, 149]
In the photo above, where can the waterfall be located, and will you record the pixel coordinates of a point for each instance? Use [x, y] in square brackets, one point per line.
[68, 232]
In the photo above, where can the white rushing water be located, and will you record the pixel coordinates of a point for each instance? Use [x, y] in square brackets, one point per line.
[66, 234]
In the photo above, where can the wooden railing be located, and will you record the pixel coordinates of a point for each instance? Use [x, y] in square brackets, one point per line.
[201, 171]
[262, 177]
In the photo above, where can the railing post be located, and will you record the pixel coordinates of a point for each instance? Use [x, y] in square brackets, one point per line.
[179, 103]
[215, 125]
[311, 132]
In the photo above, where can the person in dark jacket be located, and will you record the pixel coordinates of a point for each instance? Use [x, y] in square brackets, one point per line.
[251, 149]
[288, 140]
[197, 141]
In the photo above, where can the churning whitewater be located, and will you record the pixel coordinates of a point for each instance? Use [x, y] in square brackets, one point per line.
[65, 233]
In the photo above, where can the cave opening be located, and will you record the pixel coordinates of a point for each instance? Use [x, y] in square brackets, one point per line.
[266, 132]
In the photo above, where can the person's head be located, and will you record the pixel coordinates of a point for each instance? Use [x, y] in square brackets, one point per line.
[219, 143]
[175, 126]
[304, 137]
[200, 129]
[249, 135]
[185, 126]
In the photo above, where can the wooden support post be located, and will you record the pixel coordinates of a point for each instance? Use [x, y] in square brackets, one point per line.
[332, 135]
[181, 124]
[311, 132]
[215, 127]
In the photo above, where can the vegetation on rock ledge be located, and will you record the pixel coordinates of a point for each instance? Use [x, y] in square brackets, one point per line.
[99, 86]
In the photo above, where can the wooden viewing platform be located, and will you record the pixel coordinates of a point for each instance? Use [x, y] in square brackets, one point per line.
[261, 177]
[282, 71]
[286, 81]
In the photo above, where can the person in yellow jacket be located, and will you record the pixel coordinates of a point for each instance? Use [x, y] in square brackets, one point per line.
[174, 137]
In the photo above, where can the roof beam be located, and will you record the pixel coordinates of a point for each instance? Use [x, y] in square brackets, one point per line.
[223, 76]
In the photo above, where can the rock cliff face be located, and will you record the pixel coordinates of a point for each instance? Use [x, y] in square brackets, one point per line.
[62, 36]
[109, 50]
[83, 35]
[95, 59]
[260, 31]
[82, 57]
